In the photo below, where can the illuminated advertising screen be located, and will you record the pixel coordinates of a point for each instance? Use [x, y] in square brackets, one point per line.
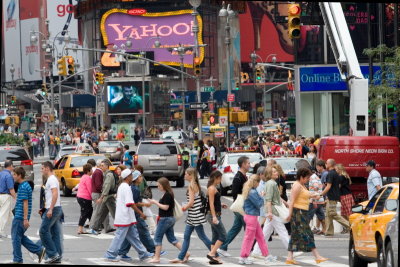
[126, 98]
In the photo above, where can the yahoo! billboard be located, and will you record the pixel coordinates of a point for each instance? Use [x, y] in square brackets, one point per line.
[173, 28]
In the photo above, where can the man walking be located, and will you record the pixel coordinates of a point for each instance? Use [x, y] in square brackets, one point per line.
[7, 195]
[237, 187]
[23, 210]
[374, 181]
[107, 198]
[50, 229]
[127, 158]
[332, 191]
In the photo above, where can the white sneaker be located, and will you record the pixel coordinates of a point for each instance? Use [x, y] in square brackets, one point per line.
[270, 259]
[223, 253]
[245, 261]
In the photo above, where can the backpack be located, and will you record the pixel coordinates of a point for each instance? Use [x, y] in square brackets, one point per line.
[204, 200]
[116, 184]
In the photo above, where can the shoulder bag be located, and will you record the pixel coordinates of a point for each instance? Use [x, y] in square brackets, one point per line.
[237, 205]
[178, 213]
[282, 211]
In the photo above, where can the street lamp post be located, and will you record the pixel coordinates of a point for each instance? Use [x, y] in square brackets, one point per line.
[12, 70]
[181, 52]
[195, 29]
[228, 13]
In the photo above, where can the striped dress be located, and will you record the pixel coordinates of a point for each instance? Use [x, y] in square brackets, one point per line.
[195, 217]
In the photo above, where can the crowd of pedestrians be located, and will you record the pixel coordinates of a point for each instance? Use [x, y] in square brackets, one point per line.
[125, 195]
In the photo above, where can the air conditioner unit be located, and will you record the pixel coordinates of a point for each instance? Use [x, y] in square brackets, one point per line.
[134, 68]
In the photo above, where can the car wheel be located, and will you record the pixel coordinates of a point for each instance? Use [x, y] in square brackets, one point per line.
[180, 182]
[381, 253]
[389, 255]
[66, 191]
[354, 259]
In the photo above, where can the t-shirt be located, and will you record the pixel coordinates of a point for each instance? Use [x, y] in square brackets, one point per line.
[52, 182]
[344, 186]
[124, 214]
[334, 179]
[129, 158]
[272, 195]
[167, 199]
[6, 181]
[324, 174]
[85, 187]
[315, 185]
[136, 195]
[24, 192]
[374, 179]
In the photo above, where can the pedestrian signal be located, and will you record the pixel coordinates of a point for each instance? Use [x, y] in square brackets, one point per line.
[294, 12]
[13, 100]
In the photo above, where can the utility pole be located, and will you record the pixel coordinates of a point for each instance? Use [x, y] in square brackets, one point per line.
[183, 95]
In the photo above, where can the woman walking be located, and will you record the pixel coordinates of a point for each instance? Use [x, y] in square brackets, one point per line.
[214, 209]
[84, 197]
[166, 222]
[302, 238]
[252, 204]
[196, 218]
[346, 197]
[273, 222]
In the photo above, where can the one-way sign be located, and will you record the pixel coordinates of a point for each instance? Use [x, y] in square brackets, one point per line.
[198, 106]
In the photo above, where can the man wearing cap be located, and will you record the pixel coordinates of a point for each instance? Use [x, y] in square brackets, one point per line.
[125, 221]
[143, 229]
[374, 181]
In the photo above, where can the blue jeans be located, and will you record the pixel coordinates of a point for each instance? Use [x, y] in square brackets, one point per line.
[50, 233]
[165, 226]
[238, 223]
[144, 236]
[19, 238]
[131, 234]
[218, 230]
[186, 239]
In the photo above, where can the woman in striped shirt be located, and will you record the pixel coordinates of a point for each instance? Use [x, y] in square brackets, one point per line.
[196, 217]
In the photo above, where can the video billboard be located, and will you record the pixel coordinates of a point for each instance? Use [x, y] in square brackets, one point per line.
[126, 98]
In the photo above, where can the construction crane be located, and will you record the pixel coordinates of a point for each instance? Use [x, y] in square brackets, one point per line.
[349, 67]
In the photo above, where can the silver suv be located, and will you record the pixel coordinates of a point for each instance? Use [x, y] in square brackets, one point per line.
[160, 158]
[20, 158]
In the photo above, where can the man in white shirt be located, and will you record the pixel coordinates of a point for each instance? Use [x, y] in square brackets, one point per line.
[374, 181]
[50, 230]
[125, 221]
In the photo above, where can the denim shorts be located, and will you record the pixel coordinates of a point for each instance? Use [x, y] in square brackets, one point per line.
[165, 226]
[218, 230]
[319, 211]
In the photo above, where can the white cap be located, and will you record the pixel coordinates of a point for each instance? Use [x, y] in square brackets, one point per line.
[125, 173]
[136, 175]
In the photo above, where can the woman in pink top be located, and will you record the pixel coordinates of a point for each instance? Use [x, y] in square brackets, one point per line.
[84, 197]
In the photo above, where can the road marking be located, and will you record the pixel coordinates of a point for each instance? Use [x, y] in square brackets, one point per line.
[101, 236]
[104, 262]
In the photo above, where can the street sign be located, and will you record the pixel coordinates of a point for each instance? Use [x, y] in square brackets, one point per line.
[231, 97]
[219, 134]
[176, 101]
[45, 118]
[46, 109]
[208, 89]
[198, 106]
[101, 105]
[56, 98]
[223, 120]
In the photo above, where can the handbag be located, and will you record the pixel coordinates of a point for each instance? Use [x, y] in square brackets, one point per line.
[178, 213]
[237, 205]
[282, 211]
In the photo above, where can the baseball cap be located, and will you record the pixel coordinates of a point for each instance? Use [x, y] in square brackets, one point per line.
[136, 175]
[371, 163]
[125, 173]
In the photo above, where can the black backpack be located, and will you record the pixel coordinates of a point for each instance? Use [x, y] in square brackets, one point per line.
[116, 184]
[203, 198]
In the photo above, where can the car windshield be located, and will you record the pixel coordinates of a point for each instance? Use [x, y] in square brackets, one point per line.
[232, 159]
[157, 149]
[13, 154]
[102, 143]
[288, 164]
[82, 160]
[171, 135]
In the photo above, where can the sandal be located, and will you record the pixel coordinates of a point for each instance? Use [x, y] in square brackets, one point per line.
[212, 259]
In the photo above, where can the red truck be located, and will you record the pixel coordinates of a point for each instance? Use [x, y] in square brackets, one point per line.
[354, 151]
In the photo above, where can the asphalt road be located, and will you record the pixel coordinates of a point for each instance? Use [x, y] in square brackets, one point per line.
[90, 249]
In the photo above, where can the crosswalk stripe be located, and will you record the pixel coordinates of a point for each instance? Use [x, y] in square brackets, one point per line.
[101, 236]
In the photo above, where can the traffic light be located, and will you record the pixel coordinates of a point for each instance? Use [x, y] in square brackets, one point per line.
[99, 78]
[70, 65]
[13, 100]
[258, 75]
[62, 68]
[44, 90]
[237, 86]
[196, 66]
[294, 12]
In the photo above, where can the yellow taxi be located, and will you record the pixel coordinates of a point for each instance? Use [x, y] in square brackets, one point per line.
[69, 169]
[368, 225]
